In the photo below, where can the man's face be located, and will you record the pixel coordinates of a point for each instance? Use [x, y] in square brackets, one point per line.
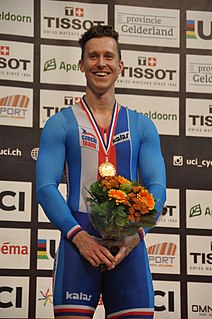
[101, 64]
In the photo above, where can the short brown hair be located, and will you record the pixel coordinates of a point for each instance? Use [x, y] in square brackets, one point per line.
[97, 32]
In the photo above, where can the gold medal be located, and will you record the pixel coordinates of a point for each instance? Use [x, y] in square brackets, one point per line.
[107, 169]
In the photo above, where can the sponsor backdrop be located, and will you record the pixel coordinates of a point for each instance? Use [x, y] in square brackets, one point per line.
[167, 49]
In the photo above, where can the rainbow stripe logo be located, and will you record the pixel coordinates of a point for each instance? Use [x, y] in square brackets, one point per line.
[190, 29]
[41, 249]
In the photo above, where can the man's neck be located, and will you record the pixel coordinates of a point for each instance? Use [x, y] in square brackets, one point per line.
[100, 103]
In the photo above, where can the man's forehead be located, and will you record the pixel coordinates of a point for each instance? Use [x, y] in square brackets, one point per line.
[101, 44]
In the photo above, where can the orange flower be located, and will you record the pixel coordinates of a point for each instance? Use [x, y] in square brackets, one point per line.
[123, 180]
[118, 195]
[147, 199]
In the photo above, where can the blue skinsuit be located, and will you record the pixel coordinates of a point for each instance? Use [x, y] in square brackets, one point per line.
[69, 139]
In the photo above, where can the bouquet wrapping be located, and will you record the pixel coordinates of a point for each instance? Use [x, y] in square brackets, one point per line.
[117, 207]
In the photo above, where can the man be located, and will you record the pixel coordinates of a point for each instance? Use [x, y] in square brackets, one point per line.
[83, 137]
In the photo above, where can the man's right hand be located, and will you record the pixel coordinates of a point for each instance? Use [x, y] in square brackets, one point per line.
[91, 249]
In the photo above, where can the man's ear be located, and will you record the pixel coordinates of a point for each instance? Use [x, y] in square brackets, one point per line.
[81, 66]
[121, 66]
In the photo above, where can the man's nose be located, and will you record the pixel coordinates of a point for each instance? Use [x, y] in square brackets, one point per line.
[101, 61]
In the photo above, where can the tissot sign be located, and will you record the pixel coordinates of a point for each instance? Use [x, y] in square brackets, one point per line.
[150, 71]
[67, 20]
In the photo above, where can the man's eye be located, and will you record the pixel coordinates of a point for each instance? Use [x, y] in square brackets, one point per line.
[109, 57]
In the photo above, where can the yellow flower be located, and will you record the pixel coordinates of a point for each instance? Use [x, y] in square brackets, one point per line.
[118, 195]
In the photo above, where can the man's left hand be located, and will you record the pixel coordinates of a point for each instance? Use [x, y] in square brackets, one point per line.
[126, 246]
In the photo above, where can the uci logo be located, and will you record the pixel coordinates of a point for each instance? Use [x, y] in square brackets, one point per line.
[14, 294]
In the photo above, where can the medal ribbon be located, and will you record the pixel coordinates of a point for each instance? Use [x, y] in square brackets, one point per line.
[105, 147]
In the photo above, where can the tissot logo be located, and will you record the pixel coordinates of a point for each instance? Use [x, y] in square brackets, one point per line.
[199, 119]
[71, 11]
[68, 22]
[199, 255]
[8, 61]
[52, 102]
[171, 218]
[16, 61]
[68, 100]
[147, 61]
[4, 50]
[148, 73]
[153, 71]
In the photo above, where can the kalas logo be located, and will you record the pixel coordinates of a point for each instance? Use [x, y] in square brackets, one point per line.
[191, 33]
[149, 71]
[67, 23]
[11, 63]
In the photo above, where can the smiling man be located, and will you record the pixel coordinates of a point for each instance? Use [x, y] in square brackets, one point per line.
[98, 135]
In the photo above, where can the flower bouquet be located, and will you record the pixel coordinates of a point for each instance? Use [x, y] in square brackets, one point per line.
[117, 207]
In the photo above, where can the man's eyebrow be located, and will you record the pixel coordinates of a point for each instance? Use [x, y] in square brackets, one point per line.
[96, 52]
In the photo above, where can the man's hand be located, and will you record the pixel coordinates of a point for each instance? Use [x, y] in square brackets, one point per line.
[126, 246]
[91, 249]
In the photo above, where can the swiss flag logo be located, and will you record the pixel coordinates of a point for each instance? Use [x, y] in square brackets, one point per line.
[79, 12]
[4, 50]
[151, 61]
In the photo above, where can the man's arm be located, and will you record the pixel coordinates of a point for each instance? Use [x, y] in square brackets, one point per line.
[152, 170]
[49, 171]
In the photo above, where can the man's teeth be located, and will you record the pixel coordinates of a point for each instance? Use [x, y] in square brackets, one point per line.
[101, 73]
